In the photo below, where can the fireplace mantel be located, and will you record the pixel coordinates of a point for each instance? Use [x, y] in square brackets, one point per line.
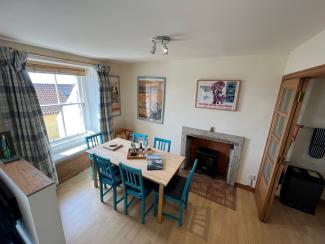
[234, 157]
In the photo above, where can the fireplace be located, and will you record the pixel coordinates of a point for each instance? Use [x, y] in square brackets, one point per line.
[218, 154]
[207, 161]
[213, 156]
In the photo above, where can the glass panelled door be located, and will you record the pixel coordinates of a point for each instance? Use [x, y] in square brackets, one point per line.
[273, 153]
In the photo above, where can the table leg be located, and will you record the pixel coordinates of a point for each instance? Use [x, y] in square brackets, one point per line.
[160, 203]
[94, 173]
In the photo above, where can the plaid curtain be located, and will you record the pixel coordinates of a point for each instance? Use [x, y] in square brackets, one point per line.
[105, 120]
[22, 113]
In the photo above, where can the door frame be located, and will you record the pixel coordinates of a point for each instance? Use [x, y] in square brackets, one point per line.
[305, 76]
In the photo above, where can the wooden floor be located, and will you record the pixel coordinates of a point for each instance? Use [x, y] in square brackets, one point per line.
[86, 220]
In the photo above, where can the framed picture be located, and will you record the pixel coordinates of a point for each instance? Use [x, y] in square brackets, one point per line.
[217, 94]
[115, 94]
[151, 98]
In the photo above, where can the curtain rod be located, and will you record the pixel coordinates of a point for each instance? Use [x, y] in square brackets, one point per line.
[66, 60]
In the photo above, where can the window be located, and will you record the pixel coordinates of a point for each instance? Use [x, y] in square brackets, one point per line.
[62, 102]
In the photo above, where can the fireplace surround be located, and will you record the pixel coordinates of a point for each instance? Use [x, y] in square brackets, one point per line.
[236, 144]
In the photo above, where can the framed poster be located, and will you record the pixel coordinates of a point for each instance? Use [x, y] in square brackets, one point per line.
[151, 98]
[114, 81]
[217, 94]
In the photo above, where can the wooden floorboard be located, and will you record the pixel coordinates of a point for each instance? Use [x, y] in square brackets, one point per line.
[86, 220]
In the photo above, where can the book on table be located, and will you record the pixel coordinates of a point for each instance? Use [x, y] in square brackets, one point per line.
[112, 147]
[154, 162]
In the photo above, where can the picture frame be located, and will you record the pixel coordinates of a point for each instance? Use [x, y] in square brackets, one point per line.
[115, 92]
[151, 92]
[217, 94]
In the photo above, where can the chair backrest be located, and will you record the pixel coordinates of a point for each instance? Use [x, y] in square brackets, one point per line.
[131, 178]
[162, 144]
[104, 168]
[138, 136]
[188, 182]
[94, 140]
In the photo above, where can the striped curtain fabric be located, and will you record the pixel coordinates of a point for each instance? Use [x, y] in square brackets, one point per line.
[106, 118]
[317, 144]
[22, 113]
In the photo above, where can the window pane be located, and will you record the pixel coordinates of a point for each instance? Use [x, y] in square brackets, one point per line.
[273, 149]
[286, 100]
[68, 88]
[53, 121]
[267, 170]
[73, 119]
[44, 85]
[279, 125]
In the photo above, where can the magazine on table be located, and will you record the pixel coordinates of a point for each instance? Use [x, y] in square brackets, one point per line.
[154, 162]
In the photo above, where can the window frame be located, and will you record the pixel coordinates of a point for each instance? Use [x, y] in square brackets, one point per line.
[60, 106]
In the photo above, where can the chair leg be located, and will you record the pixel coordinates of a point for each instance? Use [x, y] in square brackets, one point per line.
[125, 203]
[180, 214]
[91, 169]
[154, 204]
[114, 197]
[101, 191]
[143, 209]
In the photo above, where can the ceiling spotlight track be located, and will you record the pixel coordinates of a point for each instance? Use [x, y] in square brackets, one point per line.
[162, 41]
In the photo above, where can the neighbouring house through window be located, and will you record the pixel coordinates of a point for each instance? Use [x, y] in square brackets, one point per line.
[68, 99]
[62, 103]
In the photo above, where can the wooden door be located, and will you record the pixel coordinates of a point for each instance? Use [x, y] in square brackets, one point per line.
[289, 96]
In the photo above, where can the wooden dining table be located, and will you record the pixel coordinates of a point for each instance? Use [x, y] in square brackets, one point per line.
[171, 163]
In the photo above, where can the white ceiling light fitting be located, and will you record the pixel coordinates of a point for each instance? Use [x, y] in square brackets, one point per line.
[162, 41]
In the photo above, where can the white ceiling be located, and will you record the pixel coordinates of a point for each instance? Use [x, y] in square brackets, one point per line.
[122, 30]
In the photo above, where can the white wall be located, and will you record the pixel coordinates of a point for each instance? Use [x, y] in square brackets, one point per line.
[309, 54]
[261, 76]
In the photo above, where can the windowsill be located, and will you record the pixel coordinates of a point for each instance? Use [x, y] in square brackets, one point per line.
[63, 141]
[69, 153]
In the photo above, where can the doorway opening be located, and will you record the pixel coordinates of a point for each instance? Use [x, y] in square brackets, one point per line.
[293, 160]
[302, 179]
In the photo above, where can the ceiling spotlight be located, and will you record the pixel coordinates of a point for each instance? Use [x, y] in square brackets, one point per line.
[164, 48]
[162, 41]
[153, 49]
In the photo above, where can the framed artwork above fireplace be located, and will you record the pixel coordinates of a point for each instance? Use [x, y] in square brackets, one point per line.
[217, 94]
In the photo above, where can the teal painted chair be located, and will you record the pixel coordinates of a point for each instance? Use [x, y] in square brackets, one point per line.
[162, 144]
[93, 141]
[107, 175]
[176, 191]
[136, 137]
[136, 186]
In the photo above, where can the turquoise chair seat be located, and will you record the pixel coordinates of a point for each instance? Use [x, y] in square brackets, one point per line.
[176, 191]
[117, 179]
[147, 189]
[94, 141]
[108, 175]
[137, 187]
[175, 187]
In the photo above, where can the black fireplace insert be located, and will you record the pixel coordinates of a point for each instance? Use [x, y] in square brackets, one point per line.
[207, 161]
